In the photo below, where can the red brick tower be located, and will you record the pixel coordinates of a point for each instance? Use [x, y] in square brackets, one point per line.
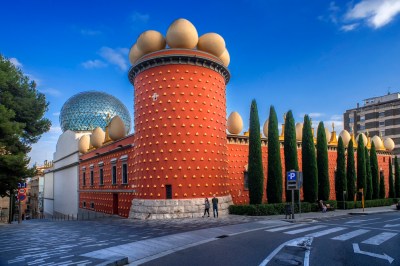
[180, 145]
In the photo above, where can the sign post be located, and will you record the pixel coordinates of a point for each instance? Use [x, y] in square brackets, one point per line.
[294, 180]
[21, 198]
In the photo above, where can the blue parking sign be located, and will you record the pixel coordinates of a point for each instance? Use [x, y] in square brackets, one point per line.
[291, 176]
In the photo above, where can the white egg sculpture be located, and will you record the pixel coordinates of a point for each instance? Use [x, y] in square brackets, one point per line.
[134, 54]
[84, 143]
[327, 134]
[265, 128]
[97, 137]
[389, 144]
[345, 137]
[364, 138]
[299, 131]
[235, 123]
[225, 58]
[116, 128]
[212, 43]
[182, 34]
[151, 41]
[378, 143]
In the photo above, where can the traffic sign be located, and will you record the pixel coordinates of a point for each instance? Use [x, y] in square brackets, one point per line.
[21, 191]
[292, 176]
[21, 197]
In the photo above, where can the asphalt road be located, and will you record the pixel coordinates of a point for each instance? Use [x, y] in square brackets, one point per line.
[45, 242]
[347, 240]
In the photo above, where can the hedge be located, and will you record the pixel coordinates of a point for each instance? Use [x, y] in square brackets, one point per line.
[275, 209]
[279, 208]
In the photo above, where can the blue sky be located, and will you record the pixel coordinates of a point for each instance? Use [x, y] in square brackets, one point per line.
[313, 57]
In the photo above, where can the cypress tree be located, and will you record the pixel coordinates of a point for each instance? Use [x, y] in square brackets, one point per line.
[351, 172]
[322, 163]
[396, 178]
[310, 181]
[391, 185]
[290, 150]
[382, 191]
[255, 168]
[361, 171]
[374, 172]
[274, 180]
[368, 179]
[340, 178]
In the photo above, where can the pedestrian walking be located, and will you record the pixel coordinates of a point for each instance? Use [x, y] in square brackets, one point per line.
[206, 207]
[215, 205]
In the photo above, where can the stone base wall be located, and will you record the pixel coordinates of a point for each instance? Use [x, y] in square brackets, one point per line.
[175, 208]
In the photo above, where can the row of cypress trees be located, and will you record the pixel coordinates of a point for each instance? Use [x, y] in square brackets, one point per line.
[315, 164]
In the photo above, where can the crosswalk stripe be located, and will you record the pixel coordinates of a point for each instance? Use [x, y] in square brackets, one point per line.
[326, 232]
[284, 227]
[350, 235]
[379, 239]
[304, 229]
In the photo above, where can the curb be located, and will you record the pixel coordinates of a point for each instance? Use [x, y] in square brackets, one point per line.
[115, 261]
[371, 212]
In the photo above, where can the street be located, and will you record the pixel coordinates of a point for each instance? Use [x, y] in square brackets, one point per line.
[345, 240]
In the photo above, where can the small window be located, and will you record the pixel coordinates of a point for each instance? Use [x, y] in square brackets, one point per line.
[124, 173]
[246, 180]
[382, 123]
[362, 127]
[84, 178]
[84, 204]
[168, 191]
[382, 133]
[91, 177]
[381, 114]
[92, 205]
[101, 175]
[351, 119]
[114, 174]
[362, 118]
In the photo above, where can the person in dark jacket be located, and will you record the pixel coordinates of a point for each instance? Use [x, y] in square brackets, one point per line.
[206, 207]
[215, 205]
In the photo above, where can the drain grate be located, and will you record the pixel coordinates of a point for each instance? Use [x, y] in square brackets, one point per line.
[222, 236]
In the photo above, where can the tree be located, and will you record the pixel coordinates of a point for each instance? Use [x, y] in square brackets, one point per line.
[340, 178]
[396, 178]
[309, 163]
[368, 178]
[274, 179]
[361, 170]
[351, 171]
[391, 184]
[255, 169]
[374, 172]
[382, 192]
[322, 163]
[21, 124]
[290, 150]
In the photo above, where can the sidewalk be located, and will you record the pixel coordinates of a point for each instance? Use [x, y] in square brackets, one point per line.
[146, 250]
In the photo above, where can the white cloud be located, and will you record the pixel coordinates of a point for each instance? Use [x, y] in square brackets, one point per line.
[55, 130]
[337, 117]
[56, 114]
[15, 62]
[139, 17]
[116, 56]
[51, 91]
[349, 27]
[376, 13]
[94, 64]
[89, 32]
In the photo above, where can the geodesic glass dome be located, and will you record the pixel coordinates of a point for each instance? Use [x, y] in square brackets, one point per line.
[87, 110]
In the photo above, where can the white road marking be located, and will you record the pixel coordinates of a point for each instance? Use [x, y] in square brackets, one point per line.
[391, 225]
[298, 242]
[350, 235]
[304, 229]
[284, 227]
[326, 232]
[379, 239]
[356, 249]
[361, 221]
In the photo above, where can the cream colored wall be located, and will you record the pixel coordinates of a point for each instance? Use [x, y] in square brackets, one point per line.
[48, 200]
